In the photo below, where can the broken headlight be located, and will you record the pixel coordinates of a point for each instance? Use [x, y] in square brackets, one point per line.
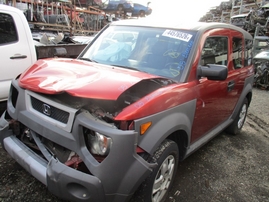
[97, 143]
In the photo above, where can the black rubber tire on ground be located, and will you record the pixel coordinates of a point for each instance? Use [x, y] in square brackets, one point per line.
[239, 121]
[120, 8]
[142, 14]
[167, 157]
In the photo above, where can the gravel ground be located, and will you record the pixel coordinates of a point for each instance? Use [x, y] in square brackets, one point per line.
[227, 169]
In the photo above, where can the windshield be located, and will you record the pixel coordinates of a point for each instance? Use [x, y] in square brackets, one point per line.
[158, 51]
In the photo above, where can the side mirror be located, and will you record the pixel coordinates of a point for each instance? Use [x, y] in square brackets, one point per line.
[213, 72]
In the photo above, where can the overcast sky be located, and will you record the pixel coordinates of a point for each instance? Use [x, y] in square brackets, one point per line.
[194, 9]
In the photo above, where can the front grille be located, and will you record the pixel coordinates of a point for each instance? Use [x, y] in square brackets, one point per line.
[50, 111]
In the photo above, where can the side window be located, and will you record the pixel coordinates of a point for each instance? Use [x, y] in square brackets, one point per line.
[237, 52]
[8, 32]
[215, 51]
[248, 53]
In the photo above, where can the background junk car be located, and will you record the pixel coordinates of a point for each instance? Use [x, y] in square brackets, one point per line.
[113, 124]
[118, 5]
[19, 51]
[141, 10]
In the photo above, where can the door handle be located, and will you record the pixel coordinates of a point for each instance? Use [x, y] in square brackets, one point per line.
[18, 56]
[230, 85]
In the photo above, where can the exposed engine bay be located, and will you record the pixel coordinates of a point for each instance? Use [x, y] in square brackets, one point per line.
[46, 148]
[106, 110]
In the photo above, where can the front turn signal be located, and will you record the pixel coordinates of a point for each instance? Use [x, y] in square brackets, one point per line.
[144, 127]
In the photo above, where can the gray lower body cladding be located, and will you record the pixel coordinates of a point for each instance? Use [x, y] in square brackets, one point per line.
[115, 178]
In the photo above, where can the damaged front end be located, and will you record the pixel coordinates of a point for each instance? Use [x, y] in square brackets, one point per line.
[68, 137]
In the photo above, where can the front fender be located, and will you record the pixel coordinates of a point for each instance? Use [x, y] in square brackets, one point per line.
[164, 124]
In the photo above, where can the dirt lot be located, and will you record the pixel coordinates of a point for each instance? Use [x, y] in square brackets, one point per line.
[228, 168]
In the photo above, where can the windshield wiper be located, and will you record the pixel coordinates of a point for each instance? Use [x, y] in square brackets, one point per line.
[88, 59]
[132, 68]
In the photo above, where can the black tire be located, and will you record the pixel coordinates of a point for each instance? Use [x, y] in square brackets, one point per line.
[142, 14]
[166, 154]
[120, 8]
[239, 121]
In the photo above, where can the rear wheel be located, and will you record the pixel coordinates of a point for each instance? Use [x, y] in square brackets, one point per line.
[142, 14]
[156, 187]
[239, 121]
[120, 7]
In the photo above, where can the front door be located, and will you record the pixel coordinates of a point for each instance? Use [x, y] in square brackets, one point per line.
[215, 99]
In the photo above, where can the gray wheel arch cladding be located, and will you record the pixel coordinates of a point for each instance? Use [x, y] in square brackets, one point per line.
[164, 124]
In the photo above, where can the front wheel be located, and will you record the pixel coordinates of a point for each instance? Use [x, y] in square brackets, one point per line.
[156, 187]
[239, 121]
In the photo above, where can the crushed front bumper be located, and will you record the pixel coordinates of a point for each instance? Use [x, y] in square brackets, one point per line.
[116, 178]
[61, 180]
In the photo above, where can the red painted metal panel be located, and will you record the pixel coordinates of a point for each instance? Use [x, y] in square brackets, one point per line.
[80, 78]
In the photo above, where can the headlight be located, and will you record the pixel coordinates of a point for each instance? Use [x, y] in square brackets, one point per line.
[97, 143]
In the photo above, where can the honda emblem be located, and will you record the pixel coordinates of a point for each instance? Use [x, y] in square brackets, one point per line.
[46, 109]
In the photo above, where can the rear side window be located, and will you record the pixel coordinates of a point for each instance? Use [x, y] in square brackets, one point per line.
[248, 52]
[215, 51]
[237, 52]
[8, 32]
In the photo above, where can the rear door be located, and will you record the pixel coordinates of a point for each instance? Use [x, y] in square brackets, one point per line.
[238, 67]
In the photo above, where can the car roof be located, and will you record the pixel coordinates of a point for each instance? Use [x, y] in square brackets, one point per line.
[174, 24]
[139, 4]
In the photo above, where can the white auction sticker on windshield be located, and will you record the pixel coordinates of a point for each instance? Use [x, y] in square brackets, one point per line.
[177, 35]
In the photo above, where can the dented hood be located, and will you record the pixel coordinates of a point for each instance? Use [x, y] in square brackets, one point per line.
[80, 78]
